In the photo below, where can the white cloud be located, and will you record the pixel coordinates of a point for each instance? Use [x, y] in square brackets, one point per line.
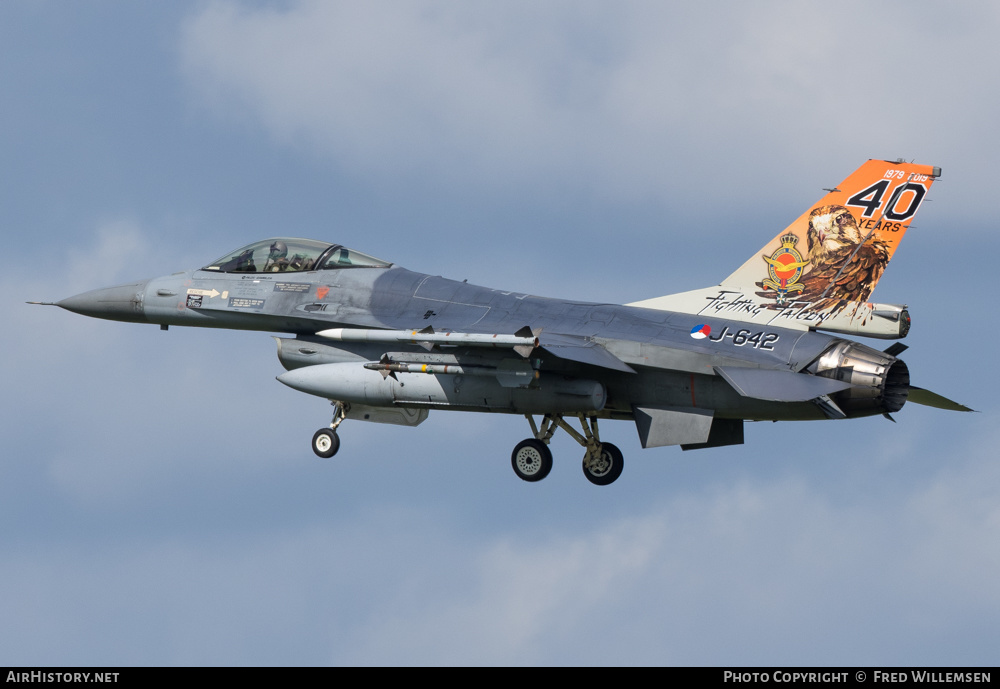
[765, 572]
[118, 253]
[630, 100]
[760, 572]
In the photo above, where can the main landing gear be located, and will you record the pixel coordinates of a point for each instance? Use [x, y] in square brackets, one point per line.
[532, 459]
[326, 442]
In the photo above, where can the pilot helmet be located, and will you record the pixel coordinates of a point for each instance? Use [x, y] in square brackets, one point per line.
[278, 250]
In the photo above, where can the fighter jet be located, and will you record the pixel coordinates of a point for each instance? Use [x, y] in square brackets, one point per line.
[387, 345]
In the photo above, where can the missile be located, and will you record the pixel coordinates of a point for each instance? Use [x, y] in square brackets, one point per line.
[522, 342]
[389, 368]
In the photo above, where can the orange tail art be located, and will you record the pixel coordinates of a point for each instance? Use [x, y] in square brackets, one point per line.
[835, 252]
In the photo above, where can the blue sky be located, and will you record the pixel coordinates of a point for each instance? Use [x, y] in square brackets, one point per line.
[159, 501]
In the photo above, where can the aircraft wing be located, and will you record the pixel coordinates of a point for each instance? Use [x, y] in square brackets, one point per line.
[581, 350]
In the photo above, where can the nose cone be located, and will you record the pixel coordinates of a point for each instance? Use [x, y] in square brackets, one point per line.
[121, 303]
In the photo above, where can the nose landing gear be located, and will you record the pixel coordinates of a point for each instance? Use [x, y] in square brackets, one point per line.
[326, 442]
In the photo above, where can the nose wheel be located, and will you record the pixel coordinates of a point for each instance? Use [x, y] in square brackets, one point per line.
[326, 442]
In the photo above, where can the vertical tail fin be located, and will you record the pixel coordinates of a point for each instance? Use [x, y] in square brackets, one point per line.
[820, 271]
[837, 250]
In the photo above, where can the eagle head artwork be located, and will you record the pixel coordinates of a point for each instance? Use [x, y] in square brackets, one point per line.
[831, 228]
[844, 263]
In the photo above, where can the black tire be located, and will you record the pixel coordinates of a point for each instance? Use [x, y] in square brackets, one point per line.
[531, 459]
[613, 462]
[325, 443]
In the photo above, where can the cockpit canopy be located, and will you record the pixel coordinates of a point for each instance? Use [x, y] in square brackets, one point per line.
[289, 255]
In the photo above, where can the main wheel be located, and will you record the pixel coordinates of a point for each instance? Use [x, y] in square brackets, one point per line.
[325, 443]
[608, 468]
[531, 459]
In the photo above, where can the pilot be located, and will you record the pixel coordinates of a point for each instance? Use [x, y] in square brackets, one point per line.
[277, 258]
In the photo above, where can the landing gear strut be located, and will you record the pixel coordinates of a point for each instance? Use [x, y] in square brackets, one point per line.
[326, 442]
[532, 459]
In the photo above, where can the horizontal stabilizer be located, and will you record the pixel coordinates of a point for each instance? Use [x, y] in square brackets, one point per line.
[581, 350]
[779, 386]
[932, 399]
[895, 349]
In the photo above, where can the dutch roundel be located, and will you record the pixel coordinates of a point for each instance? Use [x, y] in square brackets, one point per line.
[700, 332]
